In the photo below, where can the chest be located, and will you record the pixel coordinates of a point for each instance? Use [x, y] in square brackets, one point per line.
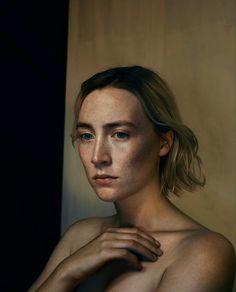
[117, 276]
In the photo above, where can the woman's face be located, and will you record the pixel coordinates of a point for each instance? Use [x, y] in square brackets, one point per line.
[117, 144]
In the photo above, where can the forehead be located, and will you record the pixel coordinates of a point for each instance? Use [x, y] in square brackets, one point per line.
[109, 104]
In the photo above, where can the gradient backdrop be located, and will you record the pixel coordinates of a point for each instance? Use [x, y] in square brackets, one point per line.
[191, 43]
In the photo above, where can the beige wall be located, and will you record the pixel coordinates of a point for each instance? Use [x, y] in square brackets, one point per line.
[191, 43]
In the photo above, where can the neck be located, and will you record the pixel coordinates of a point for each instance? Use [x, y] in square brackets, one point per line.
[147, 209]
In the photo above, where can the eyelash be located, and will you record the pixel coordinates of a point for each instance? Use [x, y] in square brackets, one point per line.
[82, 138]
[123, 134]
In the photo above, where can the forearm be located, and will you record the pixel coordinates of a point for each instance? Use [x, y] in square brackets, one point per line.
[57, 281]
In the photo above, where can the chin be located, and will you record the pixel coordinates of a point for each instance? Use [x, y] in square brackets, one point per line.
[108, 195]
[112, 195]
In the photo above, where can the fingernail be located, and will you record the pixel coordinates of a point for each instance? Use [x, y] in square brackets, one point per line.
[154, 257]
[160, 252]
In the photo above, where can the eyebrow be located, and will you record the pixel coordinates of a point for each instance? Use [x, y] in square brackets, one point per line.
[108, 125]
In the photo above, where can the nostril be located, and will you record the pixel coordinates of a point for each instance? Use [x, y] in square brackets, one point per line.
[101, 155]
[100, 162]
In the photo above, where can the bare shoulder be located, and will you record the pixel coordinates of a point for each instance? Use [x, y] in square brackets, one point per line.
[85, 230]
[209, 246]
[208, 258]
[77, 235]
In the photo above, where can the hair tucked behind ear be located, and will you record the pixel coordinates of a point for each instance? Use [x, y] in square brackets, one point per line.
[181, 168]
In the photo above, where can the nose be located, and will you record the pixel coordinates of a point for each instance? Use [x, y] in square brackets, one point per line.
[101, 154]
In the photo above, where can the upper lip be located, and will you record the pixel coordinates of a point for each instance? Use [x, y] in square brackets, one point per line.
[103, 176]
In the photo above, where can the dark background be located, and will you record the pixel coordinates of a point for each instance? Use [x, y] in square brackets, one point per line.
[33, 76]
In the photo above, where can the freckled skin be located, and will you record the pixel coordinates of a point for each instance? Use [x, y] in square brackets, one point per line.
[134, 160]
[192, 257]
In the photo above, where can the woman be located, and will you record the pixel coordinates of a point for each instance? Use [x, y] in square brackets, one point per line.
[136, 152]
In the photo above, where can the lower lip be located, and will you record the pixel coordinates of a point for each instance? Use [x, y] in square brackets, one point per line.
[105, 181]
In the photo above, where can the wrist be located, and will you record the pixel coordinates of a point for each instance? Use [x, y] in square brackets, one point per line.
[63, 276]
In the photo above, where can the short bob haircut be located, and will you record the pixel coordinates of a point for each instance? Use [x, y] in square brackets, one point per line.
[180, 169]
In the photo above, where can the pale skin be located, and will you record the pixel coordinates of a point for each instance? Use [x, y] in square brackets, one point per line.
[148, 245]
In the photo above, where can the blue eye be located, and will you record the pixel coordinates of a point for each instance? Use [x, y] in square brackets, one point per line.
[86, 136]
[121, 135]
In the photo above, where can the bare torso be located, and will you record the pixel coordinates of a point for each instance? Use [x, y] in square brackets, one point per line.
[117, 276]
[194, 259]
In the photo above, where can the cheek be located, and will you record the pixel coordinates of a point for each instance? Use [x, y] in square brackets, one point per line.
[141, 156]
[84, 155]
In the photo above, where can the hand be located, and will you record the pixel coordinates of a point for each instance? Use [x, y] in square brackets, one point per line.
[115, 243]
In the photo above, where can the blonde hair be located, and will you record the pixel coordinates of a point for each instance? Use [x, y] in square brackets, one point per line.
[181, 168]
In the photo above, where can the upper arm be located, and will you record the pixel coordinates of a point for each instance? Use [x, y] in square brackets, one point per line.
[77, 235]
[206, 264]
[61, 251]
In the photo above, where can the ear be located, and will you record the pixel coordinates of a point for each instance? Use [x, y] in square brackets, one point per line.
[166, 142]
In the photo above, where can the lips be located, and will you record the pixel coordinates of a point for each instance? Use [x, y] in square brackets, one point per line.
[103, 176]
[104, 179]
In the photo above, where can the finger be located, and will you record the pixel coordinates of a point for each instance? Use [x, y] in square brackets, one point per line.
[149, 244]
[136, 238]
[124, 254]
[134, 230]
[133, 246]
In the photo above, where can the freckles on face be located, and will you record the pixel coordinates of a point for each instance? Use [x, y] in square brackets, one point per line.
[142, 160]
[117, 139]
